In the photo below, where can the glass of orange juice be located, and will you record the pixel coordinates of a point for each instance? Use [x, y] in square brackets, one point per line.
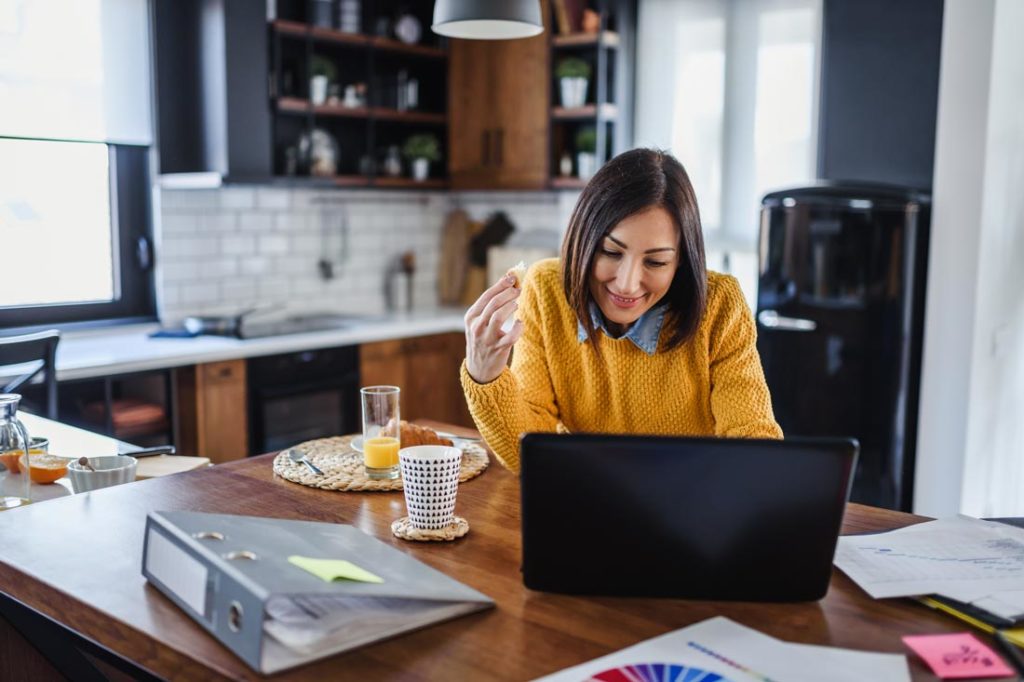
[381, 432]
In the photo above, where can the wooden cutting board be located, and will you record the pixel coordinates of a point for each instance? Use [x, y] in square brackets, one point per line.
[165, 465]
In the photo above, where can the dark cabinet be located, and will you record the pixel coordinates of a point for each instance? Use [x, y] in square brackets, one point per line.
[212, 95]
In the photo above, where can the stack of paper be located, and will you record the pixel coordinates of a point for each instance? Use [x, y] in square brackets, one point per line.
[720, 649]
[977, 562]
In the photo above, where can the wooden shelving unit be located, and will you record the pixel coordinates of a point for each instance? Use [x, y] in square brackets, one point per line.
[610, 53]
[602, 38]
[403, 86]
[604, 112]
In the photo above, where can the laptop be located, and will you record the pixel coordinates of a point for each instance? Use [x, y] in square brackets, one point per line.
[693, 518]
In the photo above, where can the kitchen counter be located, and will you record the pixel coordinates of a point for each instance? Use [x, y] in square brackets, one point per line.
[84, 355]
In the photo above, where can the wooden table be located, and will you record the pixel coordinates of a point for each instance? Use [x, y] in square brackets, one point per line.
[77, 561]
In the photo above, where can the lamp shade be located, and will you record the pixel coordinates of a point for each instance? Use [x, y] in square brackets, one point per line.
[487, 19]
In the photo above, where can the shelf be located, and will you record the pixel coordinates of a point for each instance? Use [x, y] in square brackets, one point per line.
[605, 112]
[389, 45]
[604, 39]
[383, 114]
[331, 35]
[350, 181]
[409, 183]
[291, 28]
[340, 111]
[294, 105]
[356, 181]
[560, 182]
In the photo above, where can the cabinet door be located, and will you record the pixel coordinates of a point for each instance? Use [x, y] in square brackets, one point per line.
[498, 107]
[212, 404]
[426, 368]
[522, 104]
[470, 113]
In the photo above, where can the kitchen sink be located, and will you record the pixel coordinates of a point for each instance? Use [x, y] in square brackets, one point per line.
[298, 323]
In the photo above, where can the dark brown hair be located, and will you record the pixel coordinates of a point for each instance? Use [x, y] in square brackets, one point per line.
[631, 183]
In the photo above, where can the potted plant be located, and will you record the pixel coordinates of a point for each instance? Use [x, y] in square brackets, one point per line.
[586, 148]
[421, 150]
[322, 72]
[573, 75]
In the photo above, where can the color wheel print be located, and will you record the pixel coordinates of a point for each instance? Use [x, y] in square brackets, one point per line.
[656, 672]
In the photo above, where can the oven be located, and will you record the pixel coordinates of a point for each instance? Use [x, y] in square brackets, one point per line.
[299, 396]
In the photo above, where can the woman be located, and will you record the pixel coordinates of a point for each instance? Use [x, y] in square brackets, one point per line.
[627, 333]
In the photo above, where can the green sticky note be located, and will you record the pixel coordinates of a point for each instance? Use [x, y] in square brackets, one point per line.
[334, 569]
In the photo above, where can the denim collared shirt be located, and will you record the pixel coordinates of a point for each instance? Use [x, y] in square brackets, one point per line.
[644, 333]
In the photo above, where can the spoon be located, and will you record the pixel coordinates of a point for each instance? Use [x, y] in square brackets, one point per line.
[84, 462]
[297, 456]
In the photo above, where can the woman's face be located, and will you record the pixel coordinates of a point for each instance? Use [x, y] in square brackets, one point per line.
[634, 267]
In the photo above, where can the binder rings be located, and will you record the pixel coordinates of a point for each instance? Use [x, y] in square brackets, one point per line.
[232, 575]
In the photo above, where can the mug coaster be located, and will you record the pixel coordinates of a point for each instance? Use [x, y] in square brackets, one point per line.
[404, 530]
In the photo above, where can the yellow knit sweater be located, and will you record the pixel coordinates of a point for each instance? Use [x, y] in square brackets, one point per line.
[712, 385]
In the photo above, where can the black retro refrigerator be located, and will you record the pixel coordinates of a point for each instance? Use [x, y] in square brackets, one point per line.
[840, 311]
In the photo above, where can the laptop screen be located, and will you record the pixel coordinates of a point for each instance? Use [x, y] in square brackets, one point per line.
[702, 518]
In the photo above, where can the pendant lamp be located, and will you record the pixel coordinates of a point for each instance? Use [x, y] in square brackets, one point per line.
[487, 19]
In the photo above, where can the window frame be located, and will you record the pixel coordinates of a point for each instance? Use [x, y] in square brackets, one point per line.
[131, 217]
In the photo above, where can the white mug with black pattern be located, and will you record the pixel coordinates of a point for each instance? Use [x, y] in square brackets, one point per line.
[430, 477]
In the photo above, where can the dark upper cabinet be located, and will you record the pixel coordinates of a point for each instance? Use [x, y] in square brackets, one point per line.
[213, 106]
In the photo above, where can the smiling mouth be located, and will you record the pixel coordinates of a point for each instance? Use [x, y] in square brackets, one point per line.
[623, 300]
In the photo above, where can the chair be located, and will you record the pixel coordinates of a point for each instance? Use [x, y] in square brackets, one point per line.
[23, 358]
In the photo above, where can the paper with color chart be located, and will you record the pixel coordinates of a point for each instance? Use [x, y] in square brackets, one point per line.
[720, 650]
[962, 558]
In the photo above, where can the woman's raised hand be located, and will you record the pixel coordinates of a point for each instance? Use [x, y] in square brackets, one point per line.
[487, 346]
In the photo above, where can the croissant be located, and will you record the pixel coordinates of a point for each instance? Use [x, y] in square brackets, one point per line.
[412, 434]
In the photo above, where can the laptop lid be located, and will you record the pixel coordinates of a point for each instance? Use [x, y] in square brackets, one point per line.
[696, 518]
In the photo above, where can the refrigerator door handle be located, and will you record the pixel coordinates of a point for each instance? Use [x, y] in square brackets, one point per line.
[770, 319]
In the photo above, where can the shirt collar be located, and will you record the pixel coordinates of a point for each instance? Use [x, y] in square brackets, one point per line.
[644, 333]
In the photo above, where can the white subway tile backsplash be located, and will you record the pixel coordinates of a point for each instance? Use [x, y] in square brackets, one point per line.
[238, 197]
[272, 244]
[183, 271]
[273, 198]
[224, 250]
[177, 223]
[238, 245]
[218, 223]
[255, 221]
[255, 265]
[200, 293]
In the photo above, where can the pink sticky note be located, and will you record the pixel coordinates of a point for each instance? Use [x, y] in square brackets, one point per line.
[958, 655]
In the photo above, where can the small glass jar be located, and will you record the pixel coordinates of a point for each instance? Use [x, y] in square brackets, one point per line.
[15, 483]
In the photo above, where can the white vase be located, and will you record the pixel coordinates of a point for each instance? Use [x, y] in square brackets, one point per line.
[574, 92]
[318, 89]
[420, 169]
[586, 164]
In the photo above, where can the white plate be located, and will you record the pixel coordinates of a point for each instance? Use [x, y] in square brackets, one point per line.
[357, 443]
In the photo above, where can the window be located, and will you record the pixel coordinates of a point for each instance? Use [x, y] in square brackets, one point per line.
[75, 232]
[75, 136]
[740, 112]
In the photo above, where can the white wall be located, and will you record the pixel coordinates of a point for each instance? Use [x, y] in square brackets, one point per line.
[970, 456]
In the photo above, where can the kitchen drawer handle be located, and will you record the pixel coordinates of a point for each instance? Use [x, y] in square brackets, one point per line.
[771, 319]
[485, 147]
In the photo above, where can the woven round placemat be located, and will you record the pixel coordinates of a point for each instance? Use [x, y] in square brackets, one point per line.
[404, 530]
[343, 467]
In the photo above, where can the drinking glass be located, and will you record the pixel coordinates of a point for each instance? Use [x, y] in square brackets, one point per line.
[381, 432]
[15, 484]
